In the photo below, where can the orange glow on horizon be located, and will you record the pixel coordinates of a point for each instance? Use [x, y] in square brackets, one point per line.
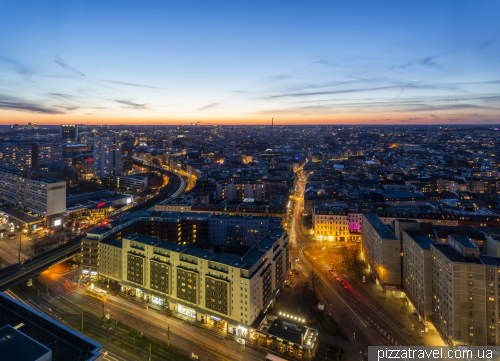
[21, 118]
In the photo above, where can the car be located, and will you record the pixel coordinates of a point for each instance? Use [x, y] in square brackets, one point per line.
[240, 341]
[296, 259]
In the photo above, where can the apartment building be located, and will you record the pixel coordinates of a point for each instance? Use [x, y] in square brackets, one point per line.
[179, 204]
[130, 182]
[382, 250]
[335, 223]
[229, 292]
[45, 197]
[19, 156]
[49, 153]
[331, 223]
[110, 254]
[182, 228]
[417, 272]
[240, 230]
[107, 156]
[464, 288]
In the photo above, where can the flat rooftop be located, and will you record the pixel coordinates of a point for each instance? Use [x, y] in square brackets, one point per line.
[453, 255]
[15, 345]
[65, 343]
[464, 241]
[20, 215]
[420, 238]
[383, 231]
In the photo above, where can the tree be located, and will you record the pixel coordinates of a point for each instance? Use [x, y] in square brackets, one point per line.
[314, 282]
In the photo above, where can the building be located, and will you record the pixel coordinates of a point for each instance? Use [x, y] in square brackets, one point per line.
[107, 156]
[49, 153]
[464, 288]
[203, 285]
[27, 334]
[182, 228]
[46, 197]
[240, 230]
[331, 223]
[131, 182]
[382, 250]
[98, 199]
[69, 131]
[110, 251]
[417, 272]
[19, 156]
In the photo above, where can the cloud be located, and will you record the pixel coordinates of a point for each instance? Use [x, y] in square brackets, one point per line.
[357, 90]
[490, 120]
[60, 95]
[130, 104]
[63, 64]
[485, 44]
[403, 66]
[9, 103]
[429, 61]
[130, 84]
[209, 106]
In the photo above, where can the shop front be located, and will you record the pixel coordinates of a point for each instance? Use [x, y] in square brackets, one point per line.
[159, 301]
[217, 322]
[135, 292]
[186, 311]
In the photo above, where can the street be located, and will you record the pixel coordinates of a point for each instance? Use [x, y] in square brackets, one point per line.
[354, 310]
[67, 297]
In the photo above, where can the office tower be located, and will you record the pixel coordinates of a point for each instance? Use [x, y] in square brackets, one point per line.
[107, 156]
[69, 131]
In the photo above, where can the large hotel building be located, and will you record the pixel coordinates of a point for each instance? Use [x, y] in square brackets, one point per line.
[201, 284]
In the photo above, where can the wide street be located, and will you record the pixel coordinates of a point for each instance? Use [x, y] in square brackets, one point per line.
[353, 308]
[189, 338]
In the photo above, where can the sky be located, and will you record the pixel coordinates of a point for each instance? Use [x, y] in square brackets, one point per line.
[245, 62]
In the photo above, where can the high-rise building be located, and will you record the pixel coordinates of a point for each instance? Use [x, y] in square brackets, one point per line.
[107, 156]
[43, 196]
[19, 156]
[69, 131]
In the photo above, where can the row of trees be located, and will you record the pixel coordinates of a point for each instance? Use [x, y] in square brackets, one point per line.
[45, 241]
[352, 258]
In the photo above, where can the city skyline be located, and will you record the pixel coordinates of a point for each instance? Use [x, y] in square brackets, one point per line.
[227, 63]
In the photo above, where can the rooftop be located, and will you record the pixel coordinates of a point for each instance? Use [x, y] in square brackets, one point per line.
[383, 231]
[15, 345]
[464, 241]
[420, 238]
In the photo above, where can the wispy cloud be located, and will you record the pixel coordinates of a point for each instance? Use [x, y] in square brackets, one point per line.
[209, 106]
[429, 61]
[63, 64]
[130, 84]
[11, 103]
[130, 104]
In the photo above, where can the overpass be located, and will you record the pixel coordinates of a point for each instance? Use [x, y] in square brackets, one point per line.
[17, 273]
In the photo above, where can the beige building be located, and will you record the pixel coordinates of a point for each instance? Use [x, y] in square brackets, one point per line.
[417, 272]
[45, 197]
[382, 250]
[465, 293]
[209, 287]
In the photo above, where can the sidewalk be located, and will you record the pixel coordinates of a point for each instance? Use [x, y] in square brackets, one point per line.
[209, 333]
[398, 308]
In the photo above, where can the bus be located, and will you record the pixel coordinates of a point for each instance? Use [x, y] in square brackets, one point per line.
[99, 294]
[271, 357]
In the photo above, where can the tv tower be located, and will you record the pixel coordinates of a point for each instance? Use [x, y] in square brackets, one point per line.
[272, 127]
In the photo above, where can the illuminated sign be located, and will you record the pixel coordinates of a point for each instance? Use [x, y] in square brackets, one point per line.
[57, 222]
[101, 204]
[215, 318]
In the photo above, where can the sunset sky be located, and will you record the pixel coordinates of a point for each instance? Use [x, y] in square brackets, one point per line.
[244, 62]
